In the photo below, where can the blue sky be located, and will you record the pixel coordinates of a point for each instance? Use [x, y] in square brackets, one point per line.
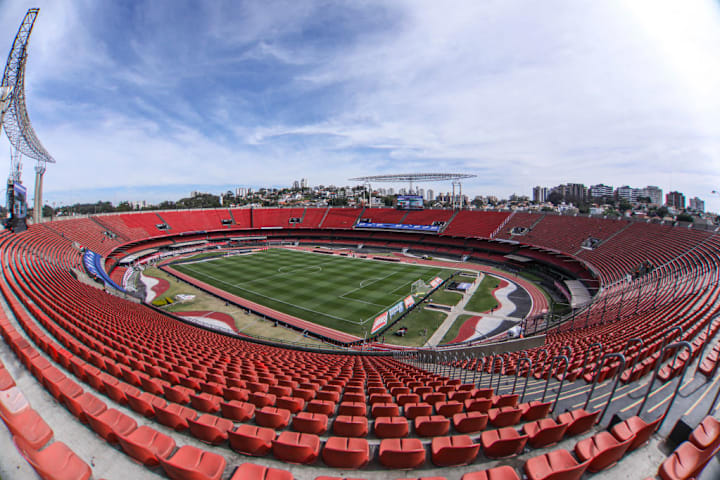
[149, 100]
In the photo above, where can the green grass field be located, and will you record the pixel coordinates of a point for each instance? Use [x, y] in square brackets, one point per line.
[338, 292]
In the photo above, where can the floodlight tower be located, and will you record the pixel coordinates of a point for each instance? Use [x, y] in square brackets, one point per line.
[14, 117]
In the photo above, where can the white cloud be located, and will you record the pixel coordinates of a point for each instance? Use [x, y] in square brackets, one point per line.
[519, 93]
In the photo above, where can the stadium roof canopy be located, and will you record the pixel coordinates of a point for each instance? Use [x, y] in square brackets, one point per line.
[414, 177]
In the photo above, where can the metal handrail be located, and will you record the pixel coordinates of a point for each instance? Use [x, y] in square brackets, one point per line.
[587, 354]
[598, 369]
[492, 371]
[705, 344]
[675, 346]
[667, 332]
[527, 376]
[618, 375]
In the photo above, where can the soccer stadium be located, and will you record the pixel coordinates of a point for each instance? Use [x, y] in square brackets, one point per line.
[350, 342]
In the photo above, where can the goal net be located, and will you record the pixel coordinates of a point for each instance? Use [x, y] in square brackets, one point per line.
[419, 287]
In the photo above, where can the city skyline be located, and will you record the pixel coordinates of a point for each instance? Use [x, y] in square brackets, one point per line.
[161, 98]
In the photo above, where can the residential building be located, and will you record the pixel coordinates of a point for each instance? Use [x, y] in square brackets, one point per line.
[675, 200]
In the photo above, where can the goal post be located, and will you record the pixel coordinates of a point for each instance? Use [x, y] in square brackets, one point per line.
[419, 287]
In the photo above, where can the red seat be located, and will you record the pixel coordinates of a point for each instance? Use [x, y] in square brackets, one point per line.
[145, 403]
[455, 450]
[29, 425]
[432, 426]
[111, 423]
[544, 432]
[555, 465]
[534, 410]
[191, 463]
[578, 421]
[706, 436]
[502, 442]
[296, 447]
[481, 405]
[414, 410]
[601, 450]
[687, 461]
[250, 471]
[404, 398]
[403, 453]
[251, 440]
[508, 400]
[272, 417]
[504, 416]
[351, 426]
[55, 462]
[449, 408]
[391, 427]
[324, 407]
[352, 409]
[307, 422]
[145, 445]
[503, 472]
[293, 404]
[210, 429]
[236, 410]
[85, 402]
[434, 397]
[6, 380]
[175, 416]
[205, 402]
[385, 410]
[636, 429]
[343, 452]
[470, 422]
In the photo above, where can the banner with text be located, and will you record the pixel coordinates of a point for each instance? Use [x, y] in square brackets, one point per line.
[380, 322]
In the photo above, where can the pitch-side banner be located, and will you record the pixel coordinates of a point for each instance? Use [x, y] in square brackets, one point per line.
[397, 308]
[380, 322]
[409, 301]
[435, 282]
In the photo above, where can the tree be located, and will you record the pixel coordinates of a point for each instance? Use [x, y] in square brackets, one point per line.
[684, 217]
[555, 197]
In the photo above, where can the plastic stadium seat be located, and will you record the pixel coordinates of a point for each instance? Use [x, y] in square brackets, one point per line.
[236, 410]
[687, 461]
[293, 404]
[504, 416]
[601, 450]
[434, 397]
[272, 417]
[503, 472]
[405, 453]
[578, 421]
[534, 410]
[251, 440]
[6, 380]
[470, 422]
[145, 445]
[508, 400]
[503, 442]
[352, 409]
[29, 425]
[210, 429]
[385, 410]
[350, 426]
[432, 426]
[145, 403]
[175, 416]
[455, 450]
[391, 427]
[404, 398]
[112, 423]
[296, 447]
[449, 408]
[636, 429]
[308, 422]
[235, 393]
[483, 393]
[414, 410]
[555, 465]
[324, 407]
[85, 402]
[54, 462]
[191, 463]
[250, 471]
[343, 452]
[481, 405]
[706, 436]
[544, 432]
[205, 402]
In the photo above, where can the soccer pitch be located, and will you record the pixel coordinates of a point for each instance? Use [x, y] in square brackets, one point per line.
[338, 292]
